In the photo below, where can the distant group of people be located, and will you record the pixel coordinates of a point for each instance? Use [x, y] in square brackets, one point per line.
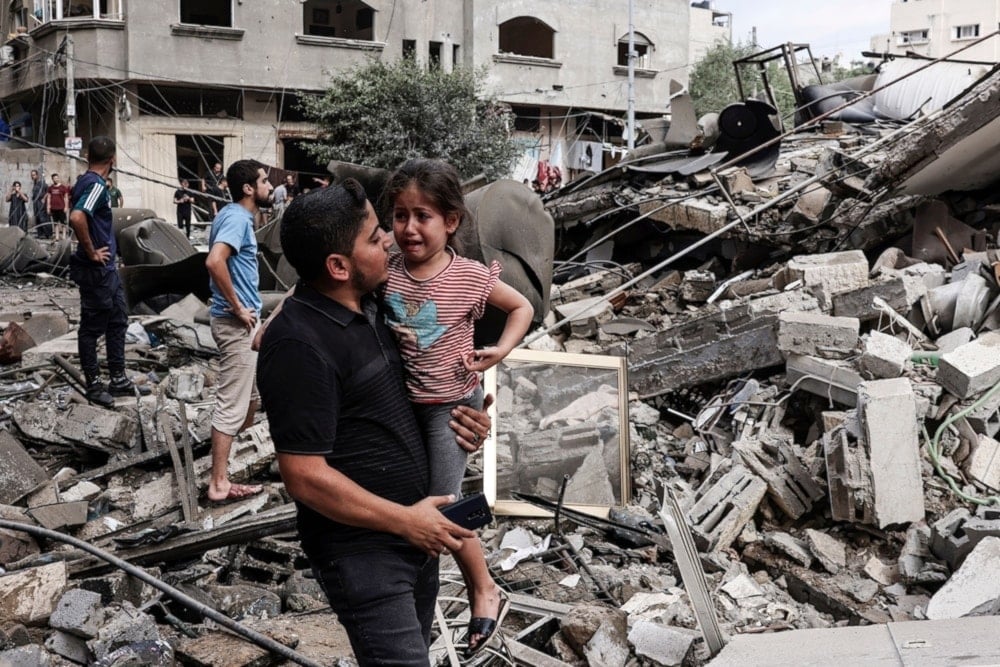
[44, 208]
[209, 194]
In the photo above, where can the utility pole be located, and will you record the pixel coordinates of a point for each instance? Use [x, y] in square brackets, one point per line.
[70, 90]
[630, 119]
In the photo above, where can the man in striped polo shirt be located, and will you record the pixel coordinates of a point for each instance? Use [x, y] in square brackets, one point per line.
[93, 267]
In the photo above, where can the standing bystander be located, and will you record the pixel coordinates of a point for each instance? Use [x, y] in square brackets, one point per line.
[183, 200]
[93, 267]
[55, 206]
[41, 221]
[17, 214]
[117, 199]
[232, 268]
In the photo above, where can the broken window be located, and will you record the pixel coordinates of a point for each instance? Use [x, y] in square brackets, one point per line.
[434, 55]
[410, 48]
[346, 19]
[527, 36]
[527, 119]
[966, 31]
[913, 37]
[643, 47]
[178, 101]
[207, 12]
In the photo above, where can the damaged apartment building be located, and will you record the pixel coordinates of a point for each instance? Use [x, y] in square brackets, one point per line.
[183, 84]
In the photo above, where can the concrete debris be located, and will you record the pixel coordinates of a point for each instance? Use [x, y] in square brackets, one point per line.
[30, 596]
[971, 590]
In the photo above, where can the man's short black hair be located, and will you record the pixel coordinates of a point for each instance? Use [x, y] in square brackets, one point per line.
[240, 173]
[322, 223]
[100, 150]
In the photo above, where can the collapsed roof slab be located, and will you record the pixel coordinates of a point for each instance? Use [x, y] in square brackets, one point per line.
[953, 150]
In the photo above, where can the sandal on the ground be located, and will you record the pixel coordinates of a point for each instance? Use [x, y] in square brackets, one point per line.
[488, 627]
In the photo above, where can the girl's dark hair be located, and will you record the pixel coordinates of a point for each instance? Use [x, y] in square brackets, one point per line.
[436, 179]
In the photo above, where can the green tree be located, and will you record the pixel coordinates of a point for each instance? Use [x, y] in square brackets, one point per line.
[380, 114]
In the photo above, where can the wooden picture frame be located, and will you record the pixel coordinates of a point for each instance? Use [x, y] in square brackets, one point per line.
[557, 414]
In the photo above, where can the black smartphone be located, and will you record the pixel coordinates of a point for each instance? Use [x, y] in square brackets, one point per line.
[470, 512]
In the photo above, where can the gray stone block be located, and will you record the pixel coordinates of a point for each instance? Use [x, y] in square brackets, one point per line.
[971, 368]
[816, 334]
[78, 612]
[884, 356]
[69, 646]
[889, 414]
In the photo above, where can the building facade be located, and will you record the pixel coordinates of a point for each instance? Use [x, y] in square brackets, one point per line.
[936, 28]
[181, 84]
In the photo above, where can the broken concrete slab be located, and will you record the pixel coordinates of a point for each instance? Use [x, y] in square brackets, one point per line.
[884, 573]
[828, 550]
[60, 515]
[889, 415]
[816, 334]
[790, 546]
[971, 368]
[661, 363]
[973, 589]
[662, 644]
[19, 472]
[30, 596]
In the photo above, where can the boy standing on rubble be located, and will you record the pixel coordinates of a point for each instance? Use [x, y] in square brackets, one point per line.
[235, 313]
[93, 267]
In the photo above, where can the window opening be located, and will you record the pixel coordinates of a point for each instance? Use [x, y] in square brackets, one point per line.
[527, 36]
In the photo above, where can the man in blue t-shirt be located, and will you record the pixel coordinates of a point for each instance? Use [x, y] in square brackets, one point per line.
[235, 311]
[93, 267]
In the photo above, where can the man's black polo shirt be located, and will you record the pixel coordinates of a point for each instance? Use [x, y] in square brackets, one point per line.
[332, 384]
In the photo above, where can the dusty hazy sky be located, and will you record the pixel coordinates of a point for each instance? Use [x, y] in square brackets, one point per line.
[835, 26]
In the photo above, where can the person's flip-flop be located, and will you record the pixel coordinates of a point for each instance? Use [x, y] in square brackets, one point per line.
[486, 626]
[237, 492]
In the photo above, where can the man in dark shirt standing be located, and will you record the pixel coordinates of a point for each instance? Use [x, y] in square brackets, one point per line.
[348, 443]
[93, 267]
[38, 189]
[183, 199]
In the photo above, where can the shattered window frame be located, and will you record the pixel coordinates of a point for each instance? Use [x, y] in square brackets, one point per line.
[600, 366]
[514, 38]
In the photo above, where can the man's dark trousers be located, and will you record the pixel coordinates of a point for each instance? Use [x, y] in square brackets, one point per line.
[102, 313]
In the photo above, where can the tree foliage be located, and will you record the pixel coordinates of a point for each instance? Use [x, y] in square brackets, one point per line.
[380, 114]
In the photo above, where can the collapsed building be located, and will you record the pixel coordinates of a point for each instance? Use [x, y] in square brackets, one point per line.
[806, 440]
